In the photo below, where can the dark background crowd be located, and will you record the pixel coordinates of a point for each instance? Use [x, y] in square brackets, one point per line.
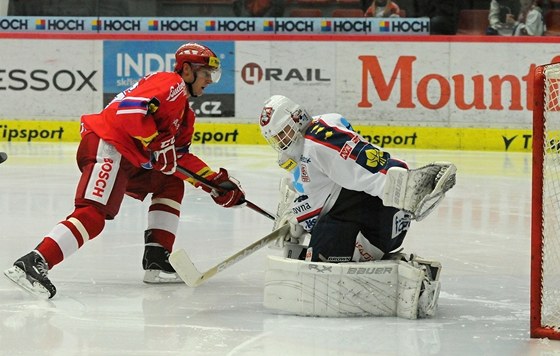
[447, 17]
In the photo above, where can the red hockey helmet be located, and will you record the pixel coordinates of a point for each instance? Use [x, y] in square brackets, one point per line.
[199, 56]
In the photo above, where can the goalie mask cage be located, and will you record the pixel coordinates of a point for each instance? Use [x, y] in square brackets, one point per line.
[545, 219]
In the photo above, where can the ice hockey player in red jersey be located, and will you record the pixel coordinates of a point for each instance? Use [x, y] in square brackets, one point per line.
[133, 147]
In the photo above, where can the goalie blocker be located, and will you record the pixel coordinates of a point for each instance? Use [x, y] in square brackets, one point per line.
[404, 288]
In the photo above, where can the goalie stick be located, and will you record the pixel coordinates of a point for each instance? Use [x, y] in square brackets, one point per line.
[192, 276]
[211, 185]
[3, 157]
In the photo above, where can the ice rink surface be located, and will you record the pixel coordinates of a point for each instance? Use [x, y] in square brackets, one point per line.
[480, 233]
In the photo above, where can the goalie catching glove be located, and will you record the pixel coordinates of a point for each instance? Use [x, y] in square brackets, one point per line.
[418, 191]
[163, 155]
[230, 194]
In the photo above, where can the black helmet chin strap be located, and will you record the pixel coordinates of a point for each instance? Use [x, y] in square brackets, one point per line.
[189, 85]
[190, 89]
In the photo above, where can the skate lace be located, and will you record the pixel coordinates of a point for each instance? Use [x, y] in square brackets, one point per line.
[41, 267]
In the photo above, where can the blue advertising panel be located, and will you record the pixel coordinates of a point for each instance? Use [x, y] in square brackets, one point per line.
[125, 62]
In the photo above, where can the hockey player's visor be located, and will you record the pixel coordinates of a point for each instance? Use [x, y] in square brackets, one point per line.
[213, 74]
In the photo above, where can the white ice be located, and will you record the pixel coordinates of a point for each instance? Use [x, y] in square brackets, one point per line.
[480, 233]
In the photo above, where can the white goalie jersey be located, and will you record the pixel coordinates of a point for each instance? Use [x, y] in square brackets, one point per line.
[335, 157]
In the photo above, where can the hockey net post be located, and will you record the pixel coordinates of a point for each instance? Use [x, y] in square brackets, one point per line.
[545, 209]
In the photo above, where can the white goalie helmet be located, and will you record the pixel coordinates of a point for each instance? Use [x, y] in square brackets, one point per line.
[283, 123]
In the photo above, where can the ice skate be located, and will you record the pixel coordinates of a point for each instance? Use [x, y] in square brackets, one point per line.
[30, 273]
[156, 264]
[431, 286]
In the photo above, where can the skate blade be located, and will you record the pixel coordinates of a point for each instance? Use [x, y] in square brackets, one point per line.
[160, 277]
[19, 277]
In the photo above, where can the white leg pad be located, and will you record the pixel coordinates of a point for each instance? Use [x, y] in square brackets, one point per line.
[376, 288]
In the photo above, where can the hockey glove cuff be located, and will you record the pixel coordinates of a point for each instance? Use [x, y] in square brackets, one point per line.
[163, 155]
[231, 195]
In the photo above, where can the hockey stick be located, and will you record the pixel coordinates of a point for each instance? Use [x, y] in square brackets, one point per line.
[3, 157]
[211, 185]
[192, 276]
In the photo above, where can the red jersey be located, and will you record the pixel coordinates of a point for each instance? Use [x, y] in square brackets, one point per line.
[156, 104]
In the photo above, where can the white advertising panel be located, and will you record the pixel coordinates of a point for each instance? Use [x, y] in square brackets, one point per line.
[266, 68]
[419, 83]
[56, 79]
[217, 25]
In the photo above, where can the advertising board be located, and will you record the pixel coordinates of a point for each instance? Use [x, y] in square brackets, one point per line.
[395, 82]
[125, 62]
[216, 25]
[50, 79]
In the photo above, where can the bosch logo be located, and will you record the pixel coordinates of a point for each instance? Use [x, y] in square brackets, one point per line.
[102, 177]
[252, 74]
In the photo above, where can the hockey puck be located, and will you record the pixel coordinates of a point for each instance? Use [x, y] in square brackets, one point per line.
[3, 156]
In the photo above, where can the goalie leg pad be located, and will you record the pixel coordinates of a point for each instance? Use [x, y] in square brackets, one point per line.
[377, 288]
[410, 282]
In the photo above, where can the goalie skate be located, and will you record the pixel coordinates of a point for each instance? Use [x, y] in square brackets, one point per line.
[418, 191]
[30, 273]
[431, 286]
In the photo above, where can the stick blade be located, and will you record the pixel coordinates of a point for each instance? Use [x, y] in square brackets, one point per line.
[185, 268]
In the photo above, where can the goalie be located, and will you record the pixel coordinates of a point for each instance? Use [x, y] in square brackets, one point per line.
[346, 192]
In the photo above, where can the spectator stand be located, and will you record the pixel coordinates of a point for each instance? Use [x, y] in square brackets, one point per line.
[552, 21]
[473, 22]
